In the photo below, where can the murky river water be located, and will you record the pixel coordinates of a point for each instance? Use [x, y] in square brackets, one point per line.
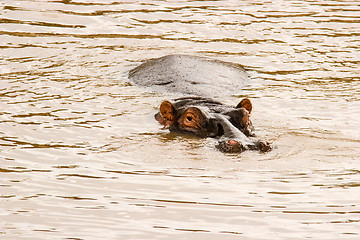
[82, 157]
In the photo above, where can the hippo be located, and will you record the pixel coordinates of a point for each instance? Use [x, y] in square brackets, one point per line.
[197, 114]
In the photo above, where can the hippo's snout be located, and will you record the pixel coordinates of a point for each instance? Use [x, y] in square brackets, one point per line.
[230, 146]
[233, 146]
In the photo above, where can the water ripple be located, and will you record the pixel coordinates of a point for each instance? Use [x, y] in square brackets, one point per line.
[82, 155]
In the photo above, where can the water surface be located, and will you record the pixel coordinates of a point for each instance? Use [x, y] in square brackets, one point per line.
[82, 157]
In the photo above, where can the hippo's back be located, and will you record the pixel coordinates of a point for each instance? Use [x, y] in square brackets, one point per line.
[190, 75]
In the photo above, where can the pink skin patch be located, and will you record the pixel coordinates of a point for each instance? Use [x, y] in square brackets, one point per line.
[232, 142]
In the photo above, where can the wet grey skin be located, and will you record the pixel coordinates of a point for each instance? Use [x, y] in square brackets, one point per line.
[191, 76]
[204, 79]
[218, 121]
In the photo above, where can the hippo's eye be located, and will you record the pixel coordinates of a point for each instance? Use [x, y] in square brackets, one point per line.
[191, 119]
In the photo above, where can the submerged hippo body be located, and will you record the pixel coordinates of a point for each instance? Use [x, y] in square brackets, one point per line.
[201, 115]
[191, 75]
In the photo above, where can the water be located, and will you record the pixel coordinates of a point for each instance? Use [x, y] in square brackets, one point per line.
[82, 157]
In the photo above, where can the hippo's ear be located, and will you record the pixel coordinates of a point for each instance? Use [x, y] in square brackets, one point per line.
[245, 103]
[168, 112]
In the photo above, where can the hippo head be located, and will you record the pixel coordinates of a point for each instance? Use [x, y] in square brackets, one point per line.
[192, 120]
[207, 118]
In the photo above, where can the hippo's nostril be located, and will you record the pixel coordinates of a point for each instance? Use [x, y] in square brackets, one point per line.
[264, 146]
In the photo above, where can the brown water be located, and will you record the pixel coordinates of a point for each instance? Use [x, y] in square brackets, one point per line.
[82, 157]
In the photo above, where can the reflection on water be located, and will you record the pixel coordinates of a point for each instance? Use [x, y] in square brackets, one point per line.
[82, 157]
